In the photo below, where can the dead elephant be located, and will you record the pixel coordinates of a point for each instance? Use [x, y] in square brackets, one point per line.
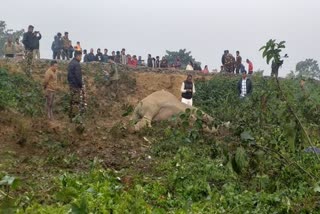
[159, 106]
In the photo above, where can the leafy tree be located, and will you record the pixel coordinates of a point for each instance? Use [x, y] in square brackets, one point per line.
[185, 57]
[5, 33]
[308, 68]
[272, 50]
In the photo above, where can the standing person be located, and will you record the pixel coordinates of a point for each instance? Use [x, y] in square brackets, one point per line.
[85, 55]
[113, 54]
[75, 85]
[9, 48]
[66, 46]
[157, 62]
[124, 59]
[139, 60]
[50, 86]
[19, 49]
[149, 61]
[28, 46]
[91, 57]
[244, 86]
[105, 57]
[177, 63]
[187, 90]
[36, 39]
[189, 66]
[99, 55]
[117, 58]
[78, 47]
[164, 63]
[229, 63]
[223, 58]
[238, 62]
[57, 46]
[205, 70]
[70, 50]
[134, 61]
[250, 67]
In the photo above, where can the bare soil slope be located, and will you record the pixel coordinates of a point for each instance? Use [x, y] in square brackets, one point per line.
[37, 144]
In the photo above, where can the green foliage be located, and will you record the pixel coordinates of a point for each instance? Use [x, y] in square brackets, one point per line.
[272, 50]
[19, 92]
[256, 165]
[308, 68]
[185, 57]
[5, 33]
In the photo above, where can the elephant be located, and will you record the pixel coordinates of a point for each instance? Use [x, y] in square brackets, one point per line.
[159, 106]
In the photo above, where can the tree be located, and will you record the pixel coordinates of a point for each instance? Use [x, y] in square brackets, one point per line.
[308, 68]
[271, 51]
[185, 57]
[5, 33]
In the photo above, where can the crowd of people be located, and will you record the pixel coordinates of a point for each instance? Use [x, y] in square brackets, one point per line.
[231, 64]
[63, 49]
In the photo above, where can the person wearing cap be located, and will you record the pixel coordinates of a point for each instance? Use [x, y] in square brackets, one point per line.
[244, 86]
[28, 45]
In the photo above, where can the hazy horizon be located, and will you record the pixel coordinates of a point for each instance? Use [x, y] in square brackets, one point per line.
[204, 27]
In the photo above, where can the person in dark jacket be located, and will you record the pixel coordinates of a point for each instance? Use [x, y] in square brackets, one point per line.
[57, 46]
[91, 57]
[157, 62]
[99, 55]
[36, 44]
[187, 90]
[28, 39]
[85, 55]
[244, 86]
[113, 54]
[223, 58]
[117, 58]
[238, 62]
[105, 56]
[149, 61]
[76, 86]
[28, 46]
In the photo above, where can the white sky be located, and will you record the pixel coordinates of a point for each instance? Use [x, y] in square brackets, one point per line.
[205, 27]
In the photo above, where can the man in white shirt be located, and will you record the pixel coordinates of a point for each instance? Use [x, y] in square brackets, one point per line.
[187, 90]
[244, 86]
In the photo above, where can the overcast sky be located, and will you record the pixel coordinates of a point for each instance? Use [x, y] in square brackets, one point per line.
[205, 27]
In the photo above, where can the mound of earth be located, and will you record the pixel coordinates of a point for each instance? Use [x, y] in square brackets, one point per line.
[34, 139]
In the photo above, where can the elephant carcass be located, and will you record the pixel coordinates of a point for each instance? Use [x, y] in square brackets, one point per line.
[158, 106]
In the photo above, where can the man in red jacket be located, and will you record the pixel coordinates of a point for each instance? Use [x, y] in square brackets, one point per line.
[250, 66]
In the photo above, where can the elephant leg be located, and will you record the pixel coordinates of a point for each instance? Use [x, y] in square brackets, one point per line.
[148, 112]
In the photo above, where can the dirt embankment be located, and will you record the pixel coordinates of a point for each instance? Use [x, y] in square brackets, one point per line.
[24, 138]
